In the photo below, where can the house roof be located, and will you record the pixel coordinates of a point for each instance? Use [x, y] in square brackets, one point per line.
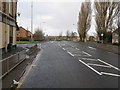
[117, 31]
[25, 29]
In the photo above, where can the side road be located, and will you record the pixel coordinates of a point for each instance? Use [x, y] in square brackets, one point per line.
[18, 71]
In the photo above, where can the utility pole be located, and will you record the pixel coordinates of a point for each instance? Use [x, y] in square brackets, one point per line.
[32, 21]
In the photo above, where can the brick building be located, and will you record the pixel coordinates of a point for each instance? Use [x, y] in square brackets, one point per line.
[23, 34]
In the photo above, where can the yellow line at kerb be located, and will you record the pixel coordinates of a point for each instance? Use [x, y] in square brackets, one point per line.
[23, 79]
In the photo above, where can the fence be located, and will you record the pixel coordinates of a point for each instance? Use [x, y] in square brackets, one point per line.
[11, 62]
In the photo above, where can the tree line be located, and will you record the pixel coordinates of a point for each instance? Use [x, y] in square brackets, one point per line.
[106, 18]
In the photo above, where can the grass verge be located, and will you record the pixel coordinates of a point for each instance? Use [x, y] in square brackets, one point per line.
[26, 42]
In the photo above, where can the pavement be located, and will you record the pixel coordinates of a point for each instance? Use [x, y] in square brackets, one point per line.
[18, 71]
[14, 51]
[72, 65]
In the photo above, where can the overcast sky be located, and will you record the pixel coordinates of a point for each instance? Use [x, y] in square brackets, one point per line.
[54, 17]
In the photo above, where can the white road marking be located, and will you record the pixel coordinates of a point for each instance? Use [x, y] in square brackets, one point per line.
[109, 65]
[86, 53]
[91, 48]
[77, 48]
[98, 65]
[63, 48]
[70, 54]
[89, 59]
[90, 67]
[33, 65]
[72, 46]
[79, 55]
[111, 74]
[60, 45]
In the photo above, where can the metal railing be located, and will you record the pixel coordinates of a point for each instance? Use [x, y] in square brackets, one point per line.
[11, 62]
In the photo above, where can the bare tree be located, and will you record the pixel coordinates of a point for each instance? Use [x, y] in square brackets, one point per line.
[118, 15]
[39, 35]
[105, 13]
[84, 22]
[67, 34]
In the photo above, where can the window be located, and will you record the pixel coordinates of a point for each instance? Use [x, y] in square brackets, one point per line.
[4, 7]
[11, 7]
[0, 17]
[0, 6]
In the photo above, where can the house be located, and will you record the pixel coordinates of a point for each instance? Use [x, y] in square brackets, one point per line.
[8, 25]
[23, 34]
[116, 36]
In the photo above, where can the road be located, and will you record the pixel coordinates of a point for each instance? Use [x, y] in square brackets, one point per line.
[72, 65]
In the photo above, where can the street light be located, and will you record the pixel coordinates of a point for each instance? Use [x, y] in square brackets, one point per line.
[41, 24]
[102, 37]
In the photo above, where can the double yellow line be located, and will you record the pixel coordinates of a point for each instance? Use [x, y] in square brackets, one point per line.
[23, 79]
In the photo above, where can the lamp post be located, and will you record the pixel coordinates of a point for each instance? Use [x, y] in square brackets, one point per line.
[32, 21]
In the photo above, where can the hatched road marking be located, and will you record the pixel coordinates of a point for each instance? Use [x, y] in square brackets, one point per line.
[86, 53]
[110, 74]
[70, 54]
[89, 59]
[98, 65]
[109, 65]
[90, 67]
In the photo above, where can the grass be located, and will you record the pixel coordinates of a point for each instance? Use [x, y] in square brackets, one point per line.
[26, 42]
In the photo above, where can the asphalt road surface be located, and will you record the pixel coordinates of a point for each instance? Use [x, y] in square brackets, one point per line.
[72, 65]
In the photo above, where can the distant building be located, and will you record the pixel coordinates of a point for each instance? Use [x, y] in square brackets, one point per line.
[116, 36]
[8, 25]
[91, 38]
[23, 34]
